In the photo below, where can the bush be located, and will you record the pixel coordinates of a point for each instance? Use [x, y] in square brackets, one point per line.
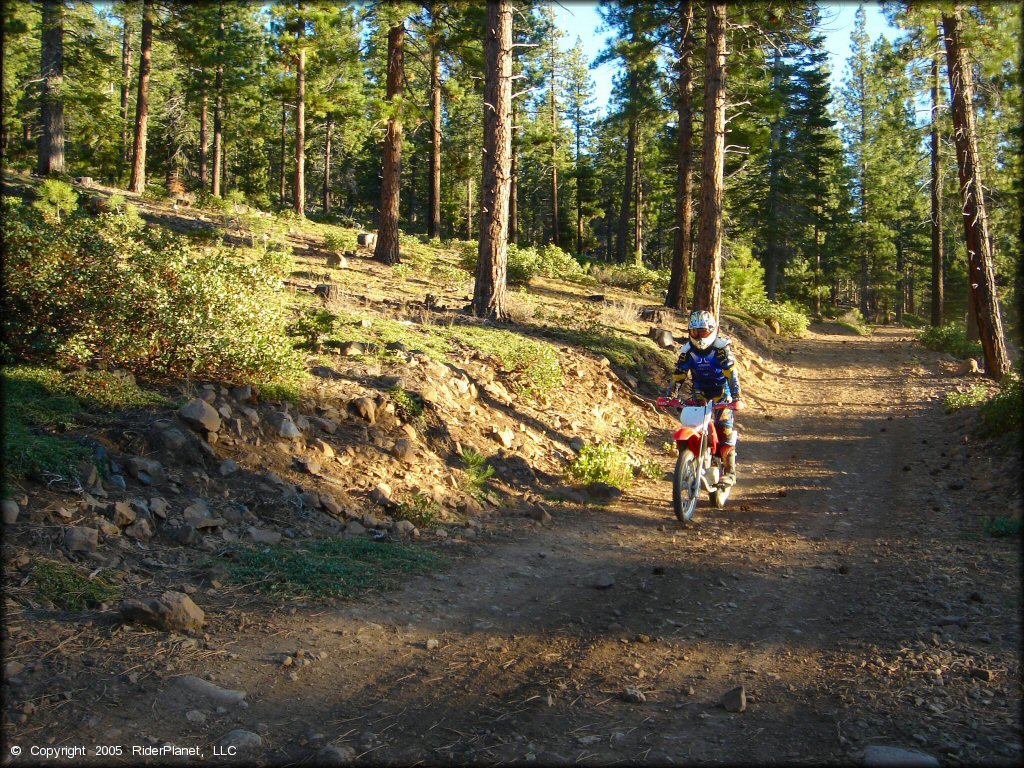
[553, 262]
[340, 241]
[420, 510]
[533, 366]
[522, 262]
[56, 198]
[478, 471]
[1004, 412]
[951, 338]
[743, 289]
[106, 289]
[974, 395]
[631, 277]
[312, 325]
[602, 463]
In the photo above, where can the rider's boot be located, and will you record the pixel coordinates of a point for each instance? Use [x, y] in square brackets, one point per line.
[729, 464]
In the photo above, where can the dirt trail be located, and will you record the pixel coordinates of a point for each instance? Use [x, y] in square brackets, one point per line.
[841, 587]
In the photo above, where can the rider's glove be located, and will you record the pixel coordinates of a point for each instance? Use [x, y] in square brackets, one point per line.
[678, 377]
[739, 404]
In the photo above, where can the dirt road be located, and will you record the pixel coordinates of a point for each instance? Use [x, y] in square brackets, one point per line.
[844, 587]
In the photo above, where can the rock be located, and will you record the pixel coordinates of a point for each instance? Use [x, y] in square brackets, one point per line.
[240, 740]
[242, 394]
[355, 528]
[118, 482]
[146, 471]
[327, 291]
[310, 500]
[195, 716]
[284, 426]
[603, 581]
[774, 325]
[199, 414]
[120, 513]
[735, 700]
[228, 467]
[107, 528]
[198, 516]
[633, 695]
[87, 473]
[324, 372]
[309, 466]
[433, 644]
[352, 348]
[539, 513]
[403, 450]
[879, 755]
[596, 297]
[662, 338]
[364, 408]
[10, 511]
[576, 444]
[332, 755]
[986, 675]
[13, 669]
[367, 239]
[968, 366]
[504, 436]
[172, 611]
[264, 536]
[382, 495]
[336, 261]
[330, 503]
[404, 528]
[183, 534]
[603, 491]
[171, 440]
[396, 346]
[327, 425]
[140, 530]
[81, 539]
[319, 445]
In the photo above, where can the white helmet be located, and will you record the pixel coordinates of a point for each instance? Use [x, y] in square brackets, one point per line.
[703, 329]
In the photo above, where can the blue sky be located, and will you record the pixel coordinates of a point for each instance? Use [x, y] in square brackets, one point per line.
[579, 18]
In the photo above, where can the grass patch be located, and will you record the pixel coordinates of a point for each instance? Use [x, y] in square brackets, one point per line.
[407, 405]
[70, 588]
[1000, 527]
[954, 400]
[637, 357]
[534, 365]
[330, 567]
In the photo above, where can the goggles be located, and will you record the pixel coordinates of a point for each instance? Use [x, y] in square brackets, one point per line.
[700, 333]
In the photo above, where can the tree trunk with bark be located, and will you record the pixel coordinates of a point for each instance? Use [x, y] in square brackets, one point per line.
[218, 108]
[283, 192]
[936, 185]
[489, 290]
[638, 219]
[678, 285]
[300, 120]
[434, 224]
[773, 255]
[51, 101]
[513, 195]
[980, 271]
[387, 250]
[138, 180]
[327, 163]
[622, 241]
[203, 120]
[707, 285]
[126, 82]
[554, 148]
[469, 207]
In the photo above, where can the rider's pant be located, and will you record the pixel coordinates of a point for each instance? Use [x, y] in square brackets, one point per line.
[726, 427]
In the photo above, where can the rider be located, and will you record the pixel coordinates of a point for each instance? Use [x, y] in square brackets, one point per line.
[708, 358]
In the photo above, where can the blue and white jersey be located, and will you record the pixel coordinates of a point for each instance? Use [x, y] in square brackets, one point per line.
[713, 370]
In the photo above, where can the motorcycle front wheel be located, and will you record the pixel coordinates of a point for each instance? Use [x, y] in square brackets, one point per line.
[685, 485]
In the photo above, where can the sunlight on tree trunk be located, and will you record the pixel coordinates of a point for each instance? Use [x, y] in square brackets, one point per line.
[387, 250]
[679, 281]
[138, 180]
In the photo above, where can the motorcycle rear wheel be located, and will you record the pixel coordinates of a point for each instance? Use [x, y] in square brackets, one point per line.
[685, 485]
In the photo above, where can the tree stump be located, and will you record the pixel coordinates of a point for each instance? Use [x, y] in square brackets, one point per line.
[327, 292]
[653, 314]
[367, 240]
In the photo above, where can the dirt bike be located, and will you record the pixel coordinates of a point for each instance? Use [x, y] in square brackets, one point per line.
[699, 464]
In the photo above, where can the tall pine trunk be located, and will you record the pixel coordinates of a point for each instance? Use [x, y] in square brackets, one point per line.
[980, 272]
[469, 206]
[51, 102]
[387, 250]
[622, 241]
[138, 180]
[203, 119]
[489, 290]
[678, 285]
[218, 108]
[434, 224]
[554, 147]
[936, 179]
[300, 120]
[513, 195]
[707, 285]
[126, 82]
[283, 191]
[772, 246]
[327, 164]
[638, 220]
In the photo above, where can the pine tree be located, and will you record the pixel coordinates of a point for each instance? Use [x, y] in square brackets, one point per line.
[51, 101]
[138, 179]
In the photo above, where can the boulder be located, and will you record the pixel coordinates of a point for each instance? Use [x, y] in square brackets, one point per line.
[120, 513]
[193, 687]
[506, 437]
[172, 611]
[327, 425]
[199, 414]
[662, 338]
[367, 239]
[146, 471]
[140, 530]
[239, 741]
[968, 367]
[10, 511]
[158, 507]
[330, 504]
[735, 699]
[576, 444]
[336, 261]
[242, 394]
[284, 426]
[403, 450]
[324, 372]
[264, 536]
[364, 408]
[327, 291]
[228, 467]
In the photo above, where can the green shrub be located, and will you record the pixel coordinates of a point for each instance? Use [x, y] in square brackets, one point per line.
[999, 527]
[1004, 412]
[632, 435]
[56, 199]
[914, 321]
[742, 277]
[951, 338]
[330, 567]
[140, 299]
[631, 277]
[602, 463]
[448, 277]
[521, 267]
[651, 470]
[402, 271]
[478, 472]
[974, 395]
[312, 325]
[420, 510]
[408, 406]
[72, 588]
[340, 241]
[552, 261]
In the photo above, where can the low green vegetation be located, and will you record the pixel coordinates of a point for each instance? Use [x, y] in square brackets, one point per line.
[420, 510]
[330, 568]
[533, 365]
[1003, 413]
[951, 338]
[631, 277]
[407, 405]
[147, 300]
[743, 290]
[635, 355]
[478, 472]
[55, 200]
[602, 463]
[632, 435]
[1002, 526]
[38, 400]
[311, 326]
[524, 263]
[72, 588]
[955, 399]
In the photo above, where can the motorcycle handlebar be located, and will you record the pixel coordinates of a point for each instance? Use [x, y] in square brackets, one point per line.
[665, 402]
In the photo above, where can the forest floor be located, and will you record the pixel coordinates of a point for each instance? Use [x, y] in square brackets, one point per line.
[848, 587]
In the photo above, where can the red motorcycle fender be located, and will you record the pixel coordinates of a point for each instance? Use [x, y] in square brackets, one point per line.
[683, 434]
